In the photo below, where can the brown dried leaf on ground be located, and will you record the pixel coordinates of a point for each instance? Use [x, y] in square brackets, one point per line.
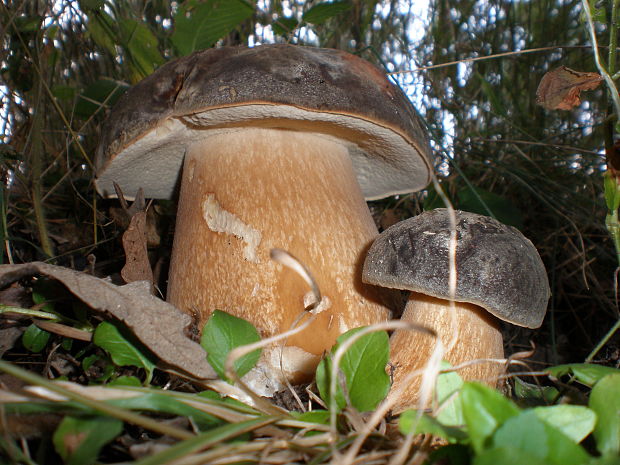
[157, 324]
[137, 265]
[560, 89]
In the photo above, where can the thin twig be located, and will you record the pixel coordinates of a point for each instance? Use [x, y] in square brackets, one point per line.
[487, 57]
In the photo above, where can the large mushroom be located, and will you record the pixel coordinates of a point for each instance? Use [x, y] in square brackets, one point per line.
[499, 276]
[281, 145]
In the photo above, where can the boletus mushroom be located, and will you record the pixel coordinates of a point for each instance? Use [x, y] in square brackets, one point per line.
[499, 276]
[279, 146]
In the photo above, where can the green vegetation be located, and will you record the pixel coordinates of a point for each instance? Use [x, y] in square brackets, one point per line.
[552, 174]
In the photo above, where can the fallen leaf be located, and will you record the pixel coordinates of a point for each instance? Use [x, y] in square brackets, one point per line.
[29, 425]
[612, 157]
[8, 338]
[137, 266]
[121, 218]
[16, 296]
[560, 89]
[157, 324]
[389, 218]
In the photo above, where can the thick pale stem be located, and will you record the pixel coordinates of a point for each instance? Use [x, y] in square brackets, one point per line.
[477, 337]
[245, 192]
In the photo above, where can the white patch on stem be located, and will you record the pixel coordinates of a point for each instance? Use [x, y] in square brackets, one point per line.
[222, 221]
[310, 300]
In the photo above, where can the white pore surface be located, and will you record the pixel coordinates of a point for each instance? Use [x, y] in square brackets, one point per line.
[386, 163]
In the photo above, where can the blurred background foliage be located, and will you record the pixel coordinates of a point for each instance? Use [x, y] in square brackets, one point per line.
[64, 63]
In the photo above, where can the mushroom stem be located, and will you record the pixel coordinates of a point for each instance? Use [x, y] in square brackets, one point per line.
[244, 192]
[477, 337]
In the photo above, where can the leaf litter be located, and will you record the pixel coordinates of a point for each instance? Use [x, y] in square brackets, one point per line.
[137, 265]
[157, 324]
[560, 89]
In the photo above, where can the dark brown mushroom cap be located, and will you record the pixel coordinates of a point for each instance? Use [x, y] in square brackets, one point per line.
[276, 86]
[498, 268]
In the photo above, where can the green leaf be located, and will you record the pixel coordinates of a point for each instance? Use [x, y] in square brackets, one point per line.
[283, 26]
[605, 460]
[100, 28]
[323, 376]
[612, 191]
[79, 440]
[598, 14]
[51, 32]
[67, 343]
[62, 92]
[125, 381]
[585, 373]
[142, 47]
[315, 416]
[223, 333]
[409, 422]
[575, 421]
[87, 5]
[98, 96]
[123, 350]
[161, 403]
[40, 299]
[507, 456]
[26, 24]
[477, 200]
[34, 338]
[320, 13]
[484, 410]
[202, 25]
[451, 412]
[89, 361]
[363, 370]
[605, 401]
[537, 438]
[533, 394]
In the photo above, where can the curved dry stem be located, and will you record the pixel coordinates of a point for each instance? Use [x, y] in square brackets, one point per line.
[289, 260]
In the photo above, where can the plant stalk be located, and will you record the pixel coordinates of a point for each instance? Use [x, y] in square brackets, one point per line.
[36, 167]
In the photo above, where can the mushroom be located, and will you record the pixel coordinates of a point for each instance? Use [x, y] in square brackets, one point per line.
[281, 144]
[499, 276]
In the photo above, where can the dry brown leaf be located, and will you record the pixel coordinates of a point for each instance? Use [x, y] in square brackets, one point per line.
[8, 338]
[389, 218]
[157, 324]
[64, 330]
[560, 89]
[121, 218]
[137, 266]
[29, 426]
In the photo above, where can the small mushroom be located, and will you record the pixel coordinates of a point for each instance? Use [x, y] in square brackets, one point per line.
[279, 147]
[499, 276]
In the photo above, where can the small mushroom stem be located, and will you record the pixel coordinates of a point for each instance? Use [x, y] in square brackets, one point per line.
[477, 337]
[244, 192]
